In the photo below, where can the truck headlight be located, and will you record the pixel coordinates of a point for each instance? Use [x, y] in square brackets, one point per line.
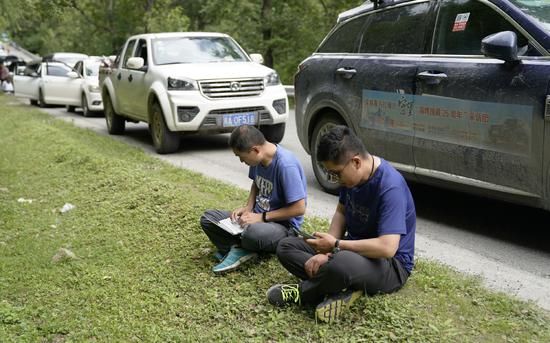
[272, 79]
[180, 85]
[93, 89]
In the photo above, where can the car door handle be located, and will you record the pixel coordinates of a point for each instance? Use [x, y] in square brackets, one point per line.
[432, 77]
[347, 73]
[130, 78]
[119, 76]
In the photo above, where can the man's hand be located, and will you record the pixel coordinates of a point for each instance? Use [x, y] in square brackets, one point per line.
[248, 218]
[314, 263]
[323, 243]
[237, 213]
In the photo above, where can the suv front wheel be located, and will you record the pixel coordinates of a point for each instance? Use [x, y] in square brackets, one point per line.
[329, 185]
[273, 133]
[165, 141]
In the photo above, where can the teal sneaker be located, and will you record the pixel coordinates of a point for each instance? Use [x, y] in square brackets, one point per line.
[234, 258]
[281, 295]
[331, 309]
[218, 255]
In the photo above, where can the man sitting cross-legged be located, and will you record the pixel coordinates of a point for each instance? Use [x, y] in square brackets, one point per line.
[369, 247]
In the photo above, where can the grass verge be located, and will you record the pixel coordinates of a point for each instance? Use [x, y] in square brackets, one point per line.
[141, 270]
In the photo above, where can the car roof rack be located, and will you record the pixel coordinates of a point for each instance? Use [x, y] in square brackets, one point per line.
[377, 3]
[367, 6]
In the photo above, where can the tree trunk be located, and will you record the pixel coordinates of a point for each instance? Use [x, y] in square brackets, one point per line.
[267, 32]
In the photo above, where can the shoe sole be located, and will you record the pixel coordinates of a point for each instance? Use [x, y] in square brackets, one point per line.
[330, 310]
[237, 264]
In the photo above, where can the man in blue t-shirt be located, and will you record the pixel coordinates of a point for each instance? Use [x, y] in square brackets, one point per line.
[369, 247]
[276, 202]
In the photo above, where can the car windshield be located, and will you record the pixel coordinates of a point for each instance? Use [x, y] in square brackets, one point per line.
[92, 69]
[539, 10]
[196, 50]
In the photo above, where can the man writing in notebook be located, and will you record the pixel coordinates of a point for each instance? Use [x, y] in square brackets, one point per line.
[276, 202]
[369, 247]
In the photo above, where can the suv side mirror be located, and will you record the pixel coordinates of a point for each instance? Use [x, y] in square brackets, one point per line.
[258, 58]
[501, 45]
[135, 63]
[73, 75]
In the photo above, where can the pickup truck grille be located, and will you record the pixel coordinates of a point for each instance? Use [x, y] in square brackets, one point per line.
[231, 88]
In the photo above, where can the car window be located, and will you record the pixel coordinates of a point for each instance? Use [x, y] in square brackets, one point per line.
[141, 50]
[78, 67]
[92, 68]
[196, 50]
[390, 31]
[539, 11]
[128, 52]
[344, 38]
[56, 70]
[30, 69]
[462, 24]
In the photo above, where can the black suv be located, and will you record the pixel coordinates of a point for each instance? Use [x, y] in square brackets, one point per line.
[452, 92]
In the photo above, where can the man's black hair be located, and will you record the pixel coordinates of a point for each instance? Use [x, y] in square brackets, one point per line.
[338, 145]
[244, 137]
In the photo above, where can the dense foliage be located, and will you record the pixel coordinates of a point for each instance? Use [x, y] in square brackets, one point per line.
[285, 32]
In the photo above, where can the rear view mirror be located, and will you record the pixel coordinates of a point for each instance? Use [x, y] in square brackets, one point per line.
[501, 45]
[258, 58]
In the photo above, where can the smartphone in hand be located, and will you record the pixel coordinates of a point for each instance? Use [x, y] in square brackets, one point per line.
[303, 233]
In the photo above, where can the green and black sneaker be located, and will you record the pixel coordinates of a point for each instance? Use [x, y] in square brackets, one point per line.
[281, 295]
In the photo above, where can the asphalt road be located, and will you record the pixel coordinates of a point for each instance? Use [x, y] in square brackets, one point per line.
[508, 246]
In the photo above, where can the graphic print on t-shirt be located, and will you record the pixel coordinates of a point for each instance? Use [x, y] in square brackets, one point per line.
[265, 188]
[361, 213]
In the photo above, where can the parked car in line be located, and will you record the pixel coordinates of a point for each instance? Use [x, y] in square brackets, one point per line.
[69, 58]
[453, 93]
[91, 101]
[48, 83]
[186, 82]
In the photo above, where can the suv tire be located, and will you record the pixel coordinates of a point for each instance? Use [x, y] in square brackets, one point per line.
[115, 123]
[273, 133]
[164, 140]
[328, 121]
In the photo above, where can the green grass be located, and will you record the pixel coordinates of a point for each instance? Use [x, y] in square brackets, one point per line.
[142, 270]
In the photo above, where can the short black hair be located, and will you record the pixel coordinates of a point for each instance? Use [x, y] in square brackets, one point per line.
[244, 137]
[339, 144]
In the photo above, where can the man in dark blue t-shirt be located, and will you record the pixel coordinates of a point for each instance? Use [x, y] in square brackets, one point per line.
[369, 247]
[276, 202]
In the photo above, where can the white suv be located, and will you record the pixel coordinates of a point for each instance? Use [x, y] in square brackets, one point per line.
[191, 83]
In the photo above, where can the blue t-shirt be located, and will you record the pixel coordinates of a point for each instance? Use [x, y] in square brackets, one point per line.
[381, 206]
[280, 184]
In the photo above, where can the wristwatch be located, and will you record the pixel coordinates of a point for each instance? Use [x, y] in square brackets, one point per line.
[264, 219]
[336, 246]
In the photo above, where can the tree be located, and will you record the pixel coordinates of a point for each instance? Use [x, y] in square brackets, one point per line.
[285, 32]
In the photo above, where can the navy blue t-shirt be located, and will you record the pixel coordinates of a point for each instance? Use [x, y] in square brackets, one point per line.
[280, 184]
[381, 206]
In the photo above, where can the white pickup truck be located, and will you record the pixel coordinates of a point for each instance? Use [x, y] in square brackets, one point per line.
[191, 82]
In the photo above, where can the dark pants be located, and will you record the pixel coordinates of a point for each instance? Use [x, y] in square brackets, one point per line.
[345, 270]
[258, 237]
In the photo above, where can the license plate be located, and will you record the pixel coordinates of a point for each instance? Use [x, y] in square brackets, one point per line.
[236, 119]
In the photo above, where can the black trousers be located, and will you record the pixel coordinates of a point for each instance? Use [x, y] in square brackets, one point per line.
[259, 237]
[345, 270]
